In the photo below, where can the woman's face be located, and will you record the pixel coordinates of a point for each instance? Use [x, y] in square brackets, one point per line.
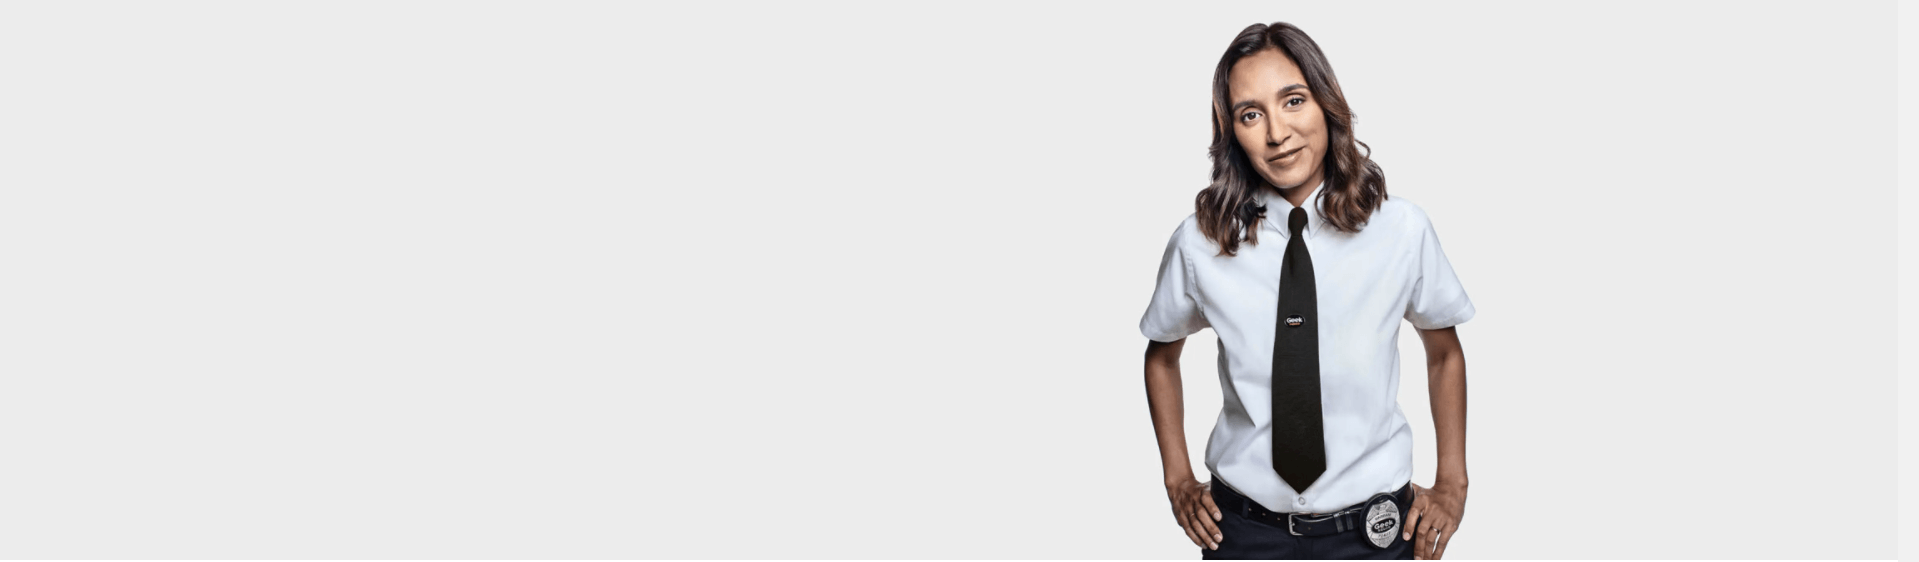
[1276, 119]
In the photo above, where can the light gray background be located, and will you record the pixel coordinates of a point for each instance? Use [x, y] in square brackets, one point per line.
[848, 280]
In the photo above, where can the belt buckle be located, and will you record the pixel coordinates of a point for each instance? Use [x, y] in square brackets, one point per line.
[1316, 517]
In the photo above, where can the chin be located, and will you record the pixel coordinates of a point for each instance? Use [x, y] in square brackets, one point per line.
[1284, 180]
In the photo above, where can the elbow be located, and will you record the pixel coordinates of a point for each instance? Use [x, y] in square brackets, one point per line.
[1441, 361]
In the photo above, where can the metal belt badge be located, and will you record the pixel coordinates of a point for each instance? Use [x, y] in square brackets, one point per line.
[1382, 521]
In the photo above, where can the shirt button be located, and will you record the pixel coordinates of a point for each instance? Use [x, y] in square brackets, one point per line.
[1302, 500]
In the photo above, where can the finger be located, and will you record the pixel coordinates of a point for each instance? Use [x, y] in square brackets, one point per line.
[1212, 507]
[1423, 538]
[1412, 519]
[1186, 523]
[1202, 526]
[1208, 530]
[1413, 532]
[1445, 534]
[1198, 529]
[1432, 544]
[1207, 527]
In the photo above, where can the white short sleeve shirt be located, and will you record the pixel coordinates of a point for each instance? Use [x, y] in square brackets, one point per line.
[1365, 283]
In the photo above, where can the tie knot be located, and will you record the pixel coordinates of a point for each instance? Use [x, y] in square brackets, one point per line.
[1297, 220]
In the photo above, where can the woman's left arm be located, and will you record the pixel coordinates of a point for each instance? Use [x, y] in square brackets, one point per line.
[1437, 510]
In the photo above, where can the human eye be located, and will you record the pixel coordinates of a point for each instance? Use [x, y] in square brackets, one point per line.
[1248, 116]
[1300, 99]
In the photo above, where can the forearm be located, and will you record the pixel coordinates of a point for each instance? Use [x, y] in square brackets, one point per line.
[1446, 379]
[1163, 398]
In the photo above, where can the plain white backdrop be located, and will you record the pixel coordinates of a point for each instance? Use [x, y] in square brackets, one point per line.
[852, 279]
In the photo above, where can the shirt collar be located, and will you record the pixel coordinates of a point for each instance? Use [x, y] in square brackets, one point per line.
[1278, 209]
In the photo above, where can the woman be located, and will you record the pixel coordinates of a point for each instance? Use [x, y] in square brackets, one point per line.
[1311, 456]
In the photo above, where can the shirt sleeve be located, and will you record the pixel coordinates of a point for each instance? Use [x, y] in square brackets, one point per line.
[1173, 312]
[1438, 300]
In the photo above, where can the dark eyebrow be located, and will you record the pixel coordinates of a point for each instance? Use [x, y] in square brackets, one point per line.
[1282, 91]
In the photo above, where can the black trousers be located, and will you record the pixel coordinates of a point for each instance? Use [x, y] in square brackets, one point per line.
[1253, 539]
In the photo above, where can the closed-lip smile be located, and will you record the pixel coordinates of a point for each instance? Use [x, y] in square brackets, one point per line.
[1283, 155]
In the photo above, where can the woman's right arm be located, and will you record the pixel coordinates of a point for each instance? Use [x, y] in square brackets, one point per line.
[1192, 503]
[1168, 408]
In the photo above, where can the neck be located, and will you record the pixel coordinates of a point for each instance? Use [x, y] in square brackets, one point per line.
[1297, 194]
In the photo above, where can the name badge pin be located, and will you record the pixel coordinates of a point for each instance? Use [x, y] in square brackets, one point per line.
[1382, 522]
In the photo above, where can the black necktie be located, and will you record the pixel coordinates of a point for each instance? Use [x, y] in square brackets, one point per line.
[1299, 447]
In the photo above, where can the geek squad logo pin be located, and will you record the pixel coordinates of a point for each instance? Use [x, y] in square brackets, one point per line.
[1382, 521]
[1295, 321]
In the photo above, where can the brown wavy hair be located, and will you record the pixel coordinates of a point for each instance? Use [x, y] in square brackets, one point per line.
[1355, 186]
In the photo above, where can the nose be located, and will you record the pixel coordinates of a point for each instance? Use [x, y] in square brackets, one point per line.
[1273, 134]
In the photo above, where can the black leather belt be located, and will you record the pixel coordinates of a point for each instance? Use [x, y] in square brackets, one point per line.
[1308, 524]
